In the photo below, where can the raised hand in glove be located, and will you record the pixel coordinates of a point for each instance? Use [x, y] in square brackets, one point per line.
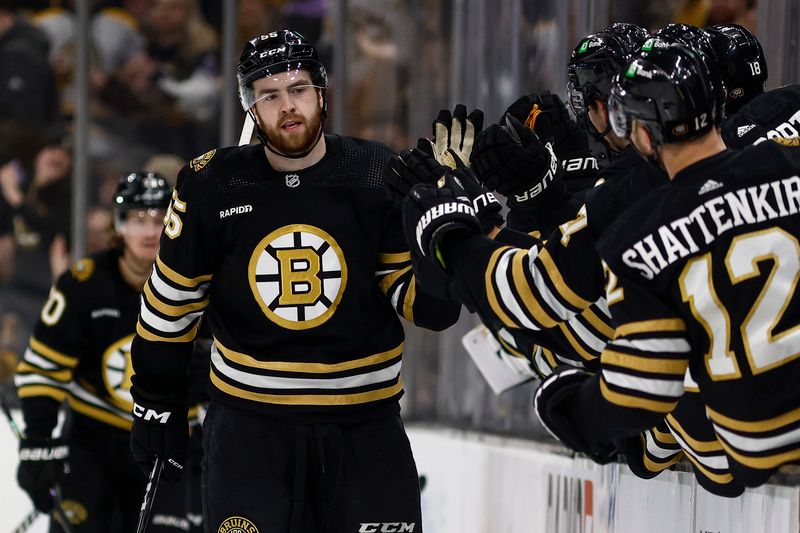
[431, 211]
[454, 136]
[416, 166]
[553, 402]
[509, 158]
[160, 429]
[547, 115]
[41, 468]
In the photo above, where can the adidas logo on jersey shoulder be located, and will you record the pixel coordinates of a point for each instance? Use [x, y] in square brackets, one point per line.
[741, 130]
[710, 185]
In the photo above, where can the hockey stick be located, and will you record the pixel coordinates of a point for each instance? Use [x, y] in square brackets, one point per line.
[247, 130]
[27, 522]
[149, 495]
[55, 492]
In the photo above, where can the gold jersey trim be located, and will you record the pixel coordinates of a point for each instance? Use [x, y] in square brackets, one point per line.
[54, 355]
[646, 364]
[626, 400]
[650, 326]
[171, 310]
[183, 281]
[30, 391]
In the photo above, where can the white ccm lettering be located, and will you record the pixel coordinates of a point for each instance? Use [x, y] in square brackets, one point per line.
[150, 414]
[386, 527]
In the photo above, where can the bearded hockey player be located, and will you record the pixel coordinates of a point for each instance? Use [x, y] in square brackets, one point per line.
[296, 260]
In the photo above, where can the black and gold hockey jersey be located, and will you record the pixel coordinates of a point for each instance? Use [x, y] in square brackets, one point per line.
[706, 270]
[300, 276]
[80, 348]
[775, 113]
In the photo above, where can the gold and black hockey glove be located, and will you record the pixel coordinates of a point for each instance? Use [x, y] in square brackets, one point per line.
[454, 136]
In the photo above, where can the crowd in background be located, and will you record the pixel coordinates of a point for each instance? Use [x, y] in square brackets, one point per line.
[155, 85]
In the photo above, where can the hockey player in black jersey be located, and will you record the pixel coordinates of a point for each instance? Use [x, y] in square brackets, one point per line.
[296, 260]
[706, 274]
[80, 351]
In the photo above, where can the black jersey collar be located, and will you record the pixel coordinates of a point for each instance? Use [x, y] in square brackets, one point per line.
[716, 163]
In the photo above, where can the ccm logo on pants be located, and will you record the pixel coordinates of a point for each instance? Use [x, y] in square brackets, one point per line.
[386, 527]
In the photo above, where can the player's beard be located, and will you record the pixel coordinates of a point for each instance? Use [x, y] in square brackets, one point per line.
[298, 142]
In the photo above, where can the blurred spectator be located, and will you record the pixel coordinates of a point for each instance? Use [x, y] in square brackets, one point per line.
[27, 94]
[168, 165]
[99, 229]
[305, 17]
[172, 86]
[741, 12]
[41, 212]
[257, 17]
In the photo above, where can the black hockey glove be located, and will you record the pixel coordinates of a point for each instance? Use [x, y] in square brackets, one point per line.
[430, 212]
[510, 159]
[552, 403]
[409, 168]
[41, 468]
[454, 136]
[160, 429]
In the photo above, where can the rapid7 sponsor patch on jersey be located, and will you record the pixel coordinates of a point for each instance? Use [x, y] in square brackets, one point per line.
[678, 239]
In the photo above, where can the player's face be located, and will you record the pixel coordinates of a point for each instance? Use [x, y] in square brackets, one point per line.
[289, 110]
[598, 115]
[141, 231]
[640, 138]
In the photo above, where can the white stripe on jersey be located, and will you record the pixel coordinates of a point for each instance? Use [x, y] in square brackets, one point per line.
[555, 307]
[656, 449]
[167, 326]
[37, 360]
[758, 444]
[163, 289]
[274, 382]
[665, 345]
[507, 294]
[660, 387]
[22, 380]
[717, 461]
[586, 335]
[87, 397]
[396, 294]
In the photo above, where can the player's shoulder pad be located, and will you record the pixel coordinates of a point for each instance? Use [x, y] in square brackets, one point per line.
[366, 159]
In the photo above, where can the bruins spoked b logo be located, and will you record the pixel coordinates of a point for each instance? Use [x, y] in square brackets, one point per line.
[298, 274]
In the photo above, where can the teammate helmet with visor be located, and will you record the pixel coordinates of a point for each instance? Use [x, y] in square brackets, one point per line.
[744, 66]
[283, 51]
[669, 90]
[140, 190]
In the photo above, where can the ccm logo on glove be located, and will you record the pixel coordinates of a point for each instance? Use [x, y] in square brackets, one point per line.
[150, 414]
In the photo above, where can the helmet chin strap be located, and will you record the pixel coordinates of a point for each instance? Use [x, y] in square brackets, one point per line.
[297, 155]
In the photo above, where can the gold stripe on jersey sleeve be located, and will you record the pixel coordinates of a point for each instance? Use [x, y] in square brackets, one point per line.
[99, 414]
[510, 349]
[721, 479]
[186, 337]
[394, 258]
[408, 299]
[308, 399]
[752, 426]
[55, 356]
[626, 400]
[703, 446]
[579, 349]
[171, 310]
[663, 437]
[676, 367]
[490, 291]
[524, 292]
[598, 323]
[559, 282]
[651, 326]
[550, 358]
[653, 466]
[311, 368]
[183, 281]
[389, 279]
[31, 391]
[65, 376]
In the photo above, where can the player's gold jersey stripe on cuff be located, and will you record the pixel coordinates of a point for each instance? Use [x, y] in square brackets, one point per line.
[703, 446]
[171, 310]
[392, 258]
[58, 375]
[648, 326]
[316, 368]
[626, 400]
[54, 355]
[752, 426]
[389, 280]
[309, 399]
[645, 364]
[183, 281]
[186, 337]
[31, 391]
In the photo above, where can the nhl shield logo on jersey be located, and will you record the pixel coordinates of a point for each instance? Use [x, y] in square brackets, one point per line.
[237, 524]
[117, 371]
[298, 274]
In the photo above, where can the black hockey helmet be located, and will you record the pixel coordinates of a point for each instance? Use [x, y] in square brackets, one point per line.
[744, 66]
[633, 34]
[273, 53]
[698, 40]
[592, 65]
[669, 90]
[140, 190]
